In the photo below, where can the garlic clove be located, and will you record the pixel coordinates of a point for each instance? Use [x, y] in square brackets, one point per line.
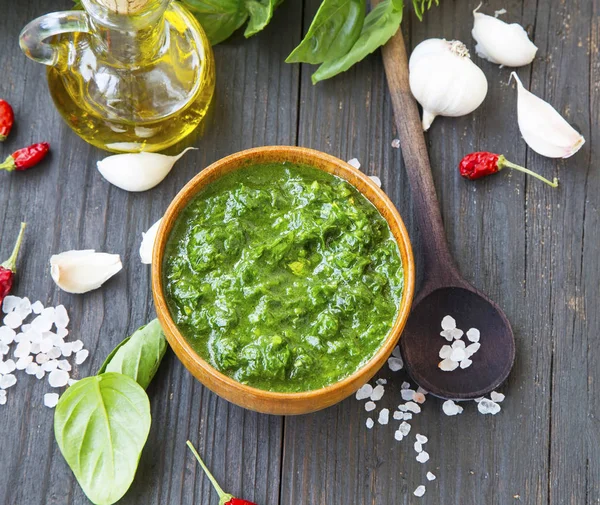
[502, 43]
[137, 171]
[147, 244]
[543, 128]
[82, 271]
[444, 80]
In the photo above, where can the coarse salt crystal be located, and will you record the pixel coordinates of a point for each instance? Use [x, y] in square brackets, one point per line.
[473, 335]
[77, 345]
[407, 394]
[448, 323]
[7, 366]
[405, 385]
[419, 397]
[430, 476]
[49, 313]
[396, 143]
[404, 428]
[58, 378]
[50, 400]
[32, 368]
[383, 382]
[4, 348]
[2, 397]
[413, 407]
[445, 351]
[497, 397]
[50, 365]
[369, 423]
[375, 179]
[395, 363]
[54, 353]
[13, 320]
[396, 352]
[23, 309]
[7, 335]
[42, 323]
[458, 354]
[420, 491]
[42, 358]
[384, 416]
[61, 318]
[7, 381]
[398, 435]
[407, 416]
[10, 303]
[472, 349]
[364, 392]
[62, 332]
[369, 406]
[423, 457]
[421, 438]
[46, 344]
[465, 363]
[354, 163]
[418, 447]
[72, 381]
[458, 344]
[23, 362]
[377, 393]
[81, 356]
[37, 307]
[35, 348]
[451, 409]
[66, 348]
[486, 406]
[40, 373]
[447, 365]
[63, 364]
[398, 416]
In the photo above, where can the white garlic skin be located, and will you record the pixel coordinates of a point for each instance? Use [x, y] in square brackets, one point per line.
[502, 43]
[444, 80]
[542, 126]
[78, 272]
[137, 171]
[147, 245]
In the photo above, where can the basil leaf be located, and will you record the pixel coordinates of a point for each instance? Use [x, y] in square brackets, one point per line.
[219, 18]
[111, 355]
[333, 32]
[261, 12]
[139, 356]
[101, 424]
[380, 26]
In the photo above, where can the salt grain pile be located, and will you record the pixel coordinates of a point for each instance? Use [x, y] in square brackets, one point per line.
[36, 335]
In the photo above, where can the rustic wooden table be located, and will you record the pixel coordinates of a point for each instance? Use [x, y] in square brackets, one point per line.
[531, 248]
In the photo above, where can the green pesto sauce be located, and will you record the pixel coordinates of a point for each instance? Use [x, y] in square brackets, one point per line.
[283, 277]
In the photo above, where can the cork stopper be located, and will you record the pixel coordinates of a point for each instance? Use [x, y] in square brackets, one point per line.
[125, 7]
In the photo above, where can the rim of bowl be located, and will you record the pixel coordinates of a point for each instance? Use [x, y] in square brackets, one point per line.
[300, 155]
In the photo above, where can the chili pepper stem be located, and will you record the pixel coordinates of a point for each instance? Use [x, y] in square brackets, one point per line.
[8, 165]
[503, 162]
[11, 263]
[223, 496]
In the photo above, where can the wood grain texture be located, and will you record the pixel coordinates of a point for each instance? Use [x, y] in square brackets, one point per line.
[532, 249]
[68, 205]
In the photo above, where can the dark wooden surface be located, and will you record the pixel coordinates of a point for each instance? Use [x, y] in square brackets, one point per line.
[532, 249]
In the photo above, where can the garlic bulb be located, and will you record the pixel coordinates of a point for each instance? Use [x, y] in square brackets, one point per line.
[147, 245]
[543, 128]
[137, 171]
[444, 80]
[82, 271]
[500, 42]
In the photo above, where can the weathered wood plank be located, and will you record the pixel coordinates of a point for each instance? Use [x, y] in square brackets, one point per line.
[68, 205]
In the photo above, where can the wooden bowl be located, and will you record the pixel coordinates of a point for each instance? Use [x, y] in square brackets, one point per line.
[252, 398]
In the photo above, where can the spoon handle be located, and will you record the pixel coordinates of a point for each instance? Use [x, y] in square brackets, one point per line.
[440, 267]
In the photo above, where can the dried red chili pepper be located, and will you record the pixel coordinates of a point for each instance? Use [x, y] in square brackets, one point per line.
[224, 498]
[26, 158]
[8, 268]
[477, 165]
[7, 119]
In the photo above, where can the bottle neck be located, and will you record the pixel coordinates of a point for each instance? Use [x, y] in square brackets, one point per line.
[130, 31]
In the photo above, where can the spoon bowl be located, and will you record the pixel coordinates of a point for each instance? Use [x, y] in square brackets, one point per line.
[421, 343]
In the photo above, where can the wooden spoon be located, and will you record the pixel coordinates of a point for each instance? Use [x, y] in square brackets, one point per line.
[444, 291]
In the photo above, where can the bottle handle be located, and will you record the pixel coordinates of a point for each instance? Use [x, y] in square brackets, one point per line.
[33, 36]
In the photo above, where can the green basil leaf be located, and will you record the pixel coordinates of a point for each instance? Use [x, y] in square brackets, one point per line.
[333, 32]
[261, 12]
[139, 356]
[101, 424]
[111, 355]
[219, 18]
[422, 5]
[380, 26]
